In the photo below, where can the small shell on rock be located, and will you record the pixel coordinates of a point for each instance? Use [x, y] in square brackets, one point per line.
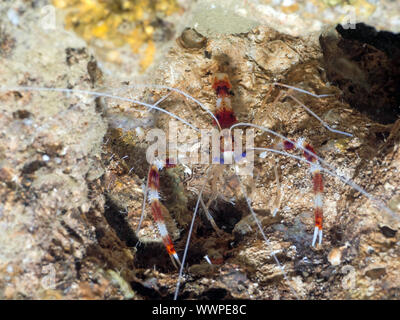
[191, 39]
[335, 256]
[375, 271]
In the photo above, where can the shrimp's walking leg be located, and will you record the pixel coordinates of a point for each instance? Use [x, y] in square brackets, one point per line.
[214, 175]
[278, 197]
[318, 184]
[157, 209]
[210, 217]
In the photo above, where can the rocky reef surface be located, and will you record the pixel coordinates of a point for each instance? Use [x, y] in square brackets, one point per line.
[71, 181]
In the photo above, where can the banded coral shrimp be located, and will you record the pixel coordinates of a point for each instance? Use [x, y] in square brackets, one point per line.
[243, 256]
[304, 266]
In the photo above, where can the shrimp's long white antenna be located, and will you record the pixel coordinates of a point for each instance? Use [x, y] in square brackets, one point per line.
[99, 94]
[303, 91]
[162, 99]
[147, 181]
[309, 110]
[319, 119]
[189, 235]
[347, 181]
[156, 86]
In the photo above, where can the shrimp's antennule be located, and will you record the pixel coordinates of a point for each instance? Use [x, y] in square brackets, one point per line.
[100, 94]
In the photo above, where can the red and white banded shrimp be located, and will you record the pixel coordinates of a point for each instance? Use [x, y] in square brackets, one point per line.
[242, 81]
[220, 85]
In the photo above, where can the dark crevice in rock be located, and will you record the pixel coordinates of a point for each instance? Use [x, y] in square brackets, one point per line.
[364, 64]
[117, 221]
[225, 214]
[149, 288]
[383, 40]
[32, 166]
[388, 232]
[152, 254]
[216, 294]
